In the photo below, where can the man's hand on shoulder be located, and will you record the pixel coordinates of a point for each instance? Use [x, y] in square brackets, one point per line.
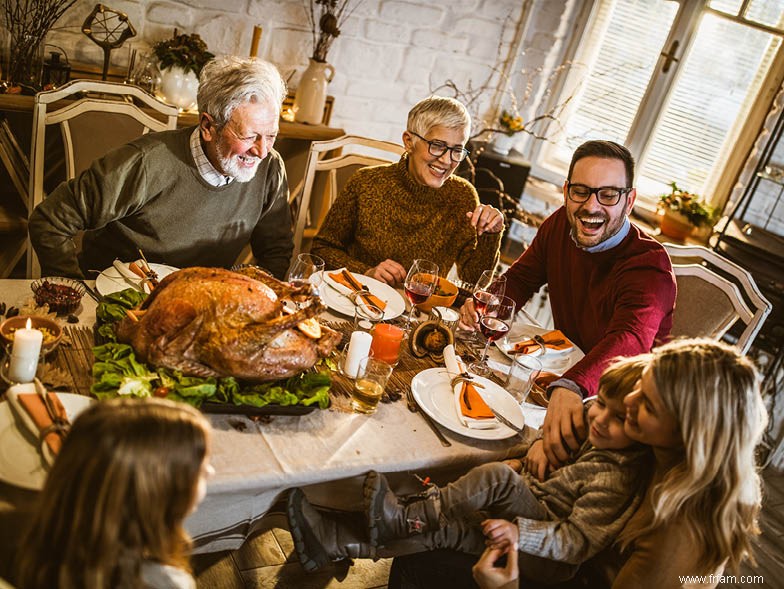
[564, 425]
[388, 271]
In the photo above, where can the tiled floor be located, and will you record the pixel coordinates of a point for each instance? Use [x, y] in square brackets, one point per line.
[268, 560]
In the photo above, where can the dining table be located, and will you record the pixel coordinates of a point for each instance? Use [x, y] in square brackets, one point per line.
[258, 458]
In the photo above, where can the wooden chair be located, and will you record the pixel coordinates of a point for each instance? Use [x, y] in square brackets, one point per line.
[94, 118]
[713, 294]
[326, 174]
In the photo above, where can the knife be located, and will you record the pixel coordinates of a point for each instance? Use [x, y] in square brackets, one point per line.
[518, 430]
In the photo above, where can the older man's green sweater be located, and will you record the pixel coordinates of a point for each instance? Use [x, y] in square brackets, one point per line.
[148, 194]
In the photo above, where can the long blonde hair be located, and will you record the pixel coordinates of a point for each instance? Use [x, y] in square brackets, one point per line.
[116, 497]
[713, 392]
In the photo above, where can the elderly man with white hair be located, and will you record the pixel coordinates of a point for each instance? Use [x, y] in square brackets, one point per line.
[193, 196]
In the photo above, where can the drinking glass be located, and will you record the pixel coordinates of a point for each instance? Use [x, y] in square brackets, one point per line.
[495, 322]
[372, 377]
[420, 283]
[487, 289]
[307, 269]
[522, 374]
[386, 342]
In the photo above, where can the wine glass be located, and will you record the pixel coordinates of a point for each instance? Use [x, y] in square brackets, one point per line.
[495, 322]
[487, 290]
[307, 269]
[420, 283]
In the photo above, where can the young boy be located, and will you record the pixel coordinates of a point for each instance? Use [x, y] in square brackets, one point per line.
[559, 522]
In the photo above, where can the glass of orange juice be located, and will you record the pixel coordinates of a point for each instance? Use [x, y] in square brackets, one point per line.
[386, 342]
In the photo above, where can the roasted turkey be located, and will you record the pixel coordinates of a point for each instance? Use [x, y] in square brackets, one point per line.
[215, 322]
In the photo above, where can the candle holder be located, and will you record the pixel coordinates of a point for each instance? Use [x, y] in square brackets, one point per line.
[5, 366]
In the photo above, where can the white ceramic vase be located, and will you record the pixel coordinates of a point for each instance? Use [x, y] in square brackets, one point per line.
[312, 92]
[178, 87]
[502, 143]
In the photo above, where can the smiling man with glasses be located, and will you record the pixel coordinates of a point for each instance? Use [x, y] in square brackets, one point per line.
[611, 286]
[387, 216]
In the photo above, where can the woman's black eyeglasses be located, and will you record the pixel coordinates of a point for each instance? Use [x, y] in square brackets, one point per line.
[607, 196]
[439, 148]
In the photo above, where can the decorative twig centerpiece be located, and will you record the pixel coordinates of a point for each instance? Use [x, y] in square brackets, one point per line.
[326, 17]
[28, 22]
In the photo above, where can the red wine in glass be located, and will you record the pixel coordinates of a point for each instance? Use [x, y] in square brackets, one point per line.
[418, 293]
[492, 328]
[483, 298]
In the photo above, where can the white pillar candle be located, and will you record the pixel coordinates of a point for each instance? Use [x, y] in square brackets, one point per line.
[24, 354]
[358, 348]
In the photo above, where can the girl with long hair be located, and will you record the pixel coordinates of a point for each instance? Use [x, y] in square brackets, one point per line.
[111, 511]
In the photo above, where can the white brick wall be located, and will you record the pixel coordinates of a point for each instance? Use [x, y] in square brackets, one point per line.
[389, 55]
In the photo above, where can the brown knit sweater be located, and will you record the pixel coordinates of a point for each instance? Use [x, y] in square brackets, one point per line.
[383, 213]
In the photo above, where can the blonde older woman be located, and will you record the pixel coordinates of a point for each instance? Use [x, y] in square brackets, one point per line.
[389, 215]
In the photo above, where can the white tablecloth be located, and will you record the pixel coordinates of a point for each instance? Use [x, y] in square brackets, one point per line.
[256, 461]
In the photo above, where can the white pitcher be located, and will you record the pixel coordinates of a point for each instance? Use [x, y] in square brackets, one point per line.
[312, 92]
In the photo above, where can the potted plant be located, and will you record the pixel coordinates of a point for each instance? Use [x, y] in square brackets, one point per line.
[180, 60]
[681, 212]
[509, 125]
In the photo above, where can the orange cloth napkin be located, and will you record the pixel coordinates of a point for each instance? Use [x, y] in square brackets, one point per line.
[555, 340]
[35, 407]
[369, 299]
[472, 405]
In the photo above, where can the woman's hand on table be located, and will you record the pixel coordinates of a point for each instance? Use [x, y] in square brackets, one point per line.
[564, 425]
[389, 272]
[486, 219]
[469, 318]
[489, 576]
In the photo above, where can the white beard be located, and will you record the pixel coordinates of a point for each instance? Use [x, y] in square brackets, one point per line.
[231, 167]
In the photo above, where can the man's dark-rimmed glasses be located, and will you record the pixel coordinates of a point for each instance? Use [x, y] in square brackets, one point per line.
[607, 196]
[439, 148]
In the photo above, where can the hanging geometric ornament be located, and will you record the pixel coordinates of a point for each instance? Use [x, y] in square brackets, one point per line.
[109, 29]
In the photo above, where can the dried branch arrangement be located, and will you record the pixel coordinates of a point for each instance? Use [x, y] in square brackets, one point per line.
[326, 17]
[28, 22]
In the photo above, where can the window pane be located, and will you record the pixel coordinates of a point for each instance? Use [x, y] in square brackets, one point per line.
[767, 12]
[619, 62]
[715, 88]
[729, 6]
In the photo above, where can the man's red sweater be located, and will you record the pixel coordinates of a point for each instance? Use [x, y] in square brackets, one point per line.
[612, 303]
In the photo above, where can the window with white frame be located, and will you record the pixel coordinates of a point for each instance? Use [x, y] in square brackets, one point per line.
[674, 80]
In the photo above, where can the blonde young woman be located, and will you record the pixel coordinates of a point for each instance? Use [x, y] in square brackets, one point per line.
[699, 406]
[387, 216]
[112, 509]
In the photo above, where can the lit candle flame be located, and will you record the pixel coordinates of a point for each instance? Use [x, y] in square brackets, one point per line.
[29, 324]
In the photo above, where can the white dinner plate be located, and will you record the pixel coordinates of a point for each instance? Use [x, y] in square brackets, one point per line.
[337, 301]
[434, 394]
[557, 361]
[110, 280]
[21, 463]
